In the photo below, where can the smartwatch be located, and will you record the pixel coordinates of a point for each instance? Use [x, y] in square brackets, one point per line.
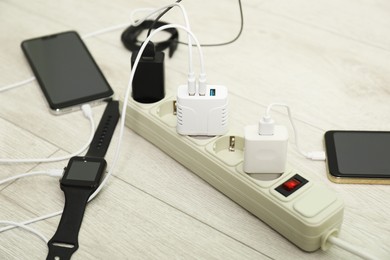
[81, 178]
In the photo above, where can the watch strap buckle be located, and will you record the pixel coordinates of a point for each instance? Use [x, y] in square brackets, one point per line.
[61, 250]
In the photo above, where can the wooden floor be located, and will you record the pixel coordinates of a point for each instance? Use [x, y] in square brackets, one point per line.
[328, 59]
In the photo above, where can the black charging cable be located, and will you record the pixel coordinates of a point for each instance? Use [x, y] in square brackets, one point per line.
[130, 37]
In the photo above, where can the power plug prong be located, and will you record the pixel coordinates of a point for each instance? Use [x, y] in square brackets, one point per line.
[232, 143]
[174, 107]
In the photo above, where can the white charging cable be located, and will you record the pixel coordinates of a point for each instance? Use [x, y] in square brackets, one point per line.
[17, 84]
[34, 220]
[30, 229]
[87, 111]
[105, 30]
[266, 127]
[128, 89]
[52, 173]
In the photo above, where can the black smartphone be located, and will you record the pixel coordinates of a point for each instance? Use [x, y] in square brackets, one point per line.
[66, 71]
[358, 156]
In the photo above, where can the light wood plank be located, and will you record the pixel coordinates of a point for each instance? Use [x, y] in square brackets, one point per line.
[362, 21]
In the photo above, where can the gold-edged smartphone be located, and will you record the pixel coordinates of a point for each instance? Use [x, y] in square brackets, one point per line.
[360, 157]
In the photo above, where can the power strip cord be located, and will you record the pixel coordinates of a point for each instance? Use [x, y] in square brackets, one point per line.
[350, 248]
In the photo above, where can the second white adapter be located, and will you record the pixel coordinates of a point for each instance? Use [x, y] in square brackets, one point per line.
[205, 115]
[265, 153]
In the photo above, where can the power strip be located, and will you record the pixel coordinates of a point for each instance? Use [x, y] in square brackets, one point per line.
[304, 212]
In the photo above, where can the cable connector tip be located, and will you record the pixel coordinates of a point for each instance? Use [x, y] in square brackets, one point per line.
[316, 156]
[266, 125]
[56, 172]
[191, 84]
[87, 110]
[202, 84]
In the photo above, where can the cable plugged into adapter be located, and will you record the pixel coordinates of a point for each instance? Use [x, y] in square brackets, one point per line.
[265, 148]
[267, 127]
[204, 115]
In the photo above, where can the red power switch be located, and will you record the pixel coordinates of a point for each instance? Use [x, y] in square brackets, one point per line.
[291, 184]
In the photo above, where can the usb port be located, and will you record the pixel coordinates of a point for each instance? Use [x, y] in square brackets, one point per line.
[212, 92]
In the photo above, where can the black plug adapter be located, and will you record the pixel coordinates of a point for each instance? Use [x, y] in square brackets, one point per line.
[148, 83]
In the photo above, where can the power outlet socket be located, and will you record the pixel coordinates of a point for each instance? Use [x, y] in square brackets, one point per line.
[301, 210]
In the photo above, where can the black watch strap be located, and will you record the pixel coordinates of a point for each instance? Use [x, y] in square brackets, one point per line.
[65, 241]
[104, 131]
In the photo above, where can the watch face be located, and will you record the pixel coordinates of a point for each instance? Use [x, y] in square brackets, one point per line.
[84, 172]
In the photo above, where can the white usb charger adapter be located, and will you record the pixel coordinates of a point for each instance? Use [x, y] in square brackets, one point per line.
[205, 115]
[265, 148]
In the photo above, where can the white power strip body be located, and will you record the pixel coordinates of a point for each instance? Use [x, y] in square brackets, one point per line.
[306, 216]
[202, 115]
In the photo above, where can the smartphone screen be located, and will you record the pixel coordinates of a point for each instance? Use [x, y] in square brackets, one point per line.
[66, 71]
[360, 155]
